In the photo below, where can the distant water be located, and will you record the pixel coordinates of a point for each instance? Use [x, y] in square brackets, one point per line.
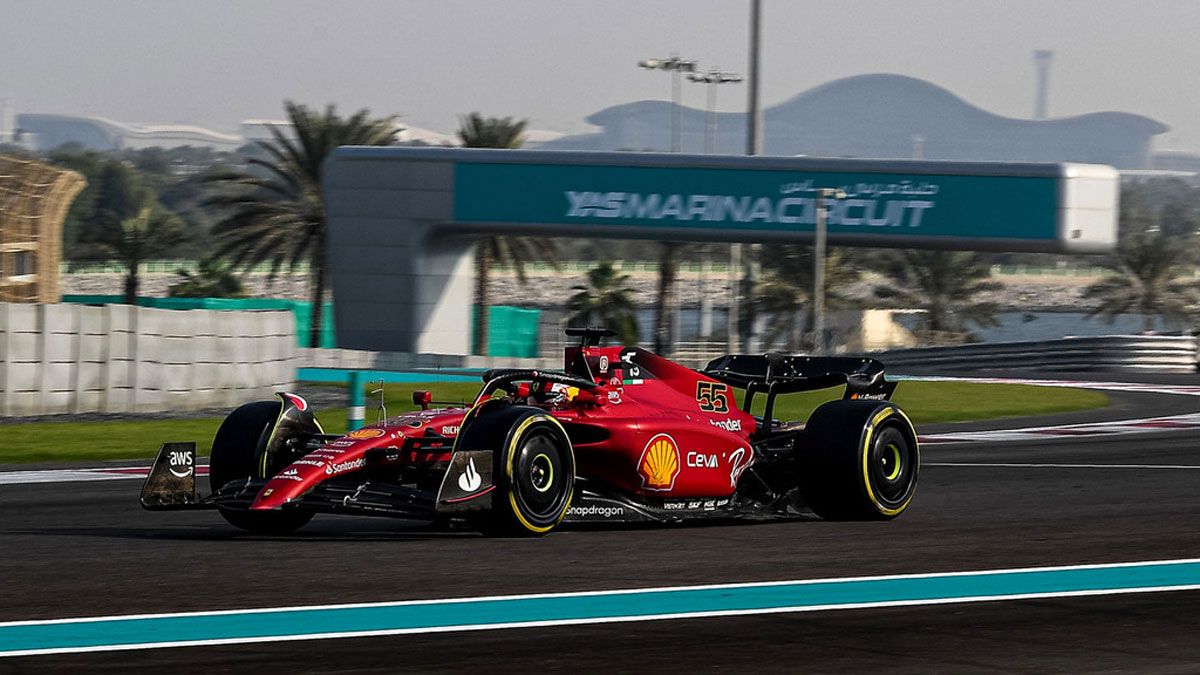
[1014, 326]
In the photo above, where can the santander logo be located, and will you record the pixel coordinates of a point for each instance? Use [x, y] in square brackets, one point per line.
[470, 480]
[339, 467]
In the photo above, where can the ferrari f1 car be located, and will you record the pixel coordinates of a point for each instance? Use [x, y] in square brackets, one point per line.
[620, 435]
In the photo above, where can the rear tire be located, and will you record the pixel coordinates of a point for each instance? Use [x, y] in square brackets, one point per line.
[858, 460]
[237, 454]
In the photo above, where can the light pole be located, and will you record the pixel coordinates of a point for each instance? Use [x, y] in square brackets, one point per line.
[712, 78]
[754, 114]
[818, 295]
[675, 66]
[754, 136]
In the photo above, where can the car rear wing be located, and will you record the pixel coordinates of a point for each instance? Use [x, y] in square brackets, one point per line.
[787, 373]
[777, 374]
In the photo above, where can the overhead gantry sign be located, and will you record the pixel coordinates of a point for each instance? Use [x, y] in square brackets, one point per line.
[402, 220]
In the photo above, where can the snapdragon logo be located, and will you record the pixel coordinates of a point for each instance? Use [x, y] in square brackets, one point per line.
[872, 212]
[592, 510]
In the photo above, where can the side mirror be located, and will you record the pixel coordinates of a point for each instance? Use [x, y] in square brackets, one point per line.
[422, 398]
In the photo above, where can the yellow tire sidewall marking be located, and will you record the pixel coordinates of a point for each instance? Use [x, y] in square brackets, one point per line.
[881, 416]
[508, 472]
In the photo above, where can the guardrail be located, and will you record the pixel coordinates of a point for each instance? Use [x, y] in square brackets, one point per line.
[1141, 353]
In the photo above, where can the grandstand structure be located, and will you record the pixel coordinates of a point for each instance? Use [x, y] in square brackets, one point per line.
[34, 198]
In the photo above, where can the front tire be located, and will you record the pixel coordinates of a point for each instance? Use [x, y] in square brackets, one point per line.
[538, 478]
[858, 460]
[533, 467]
[238, 453]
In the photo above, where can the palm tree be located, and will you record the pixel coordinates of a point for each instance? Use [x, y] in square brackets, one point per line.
[1145, 280]
[943, 283]
[606, 300]
[476, 131]
[787, 287]
[212, 279]
[134, 240]
[272, 211]
[664, 299]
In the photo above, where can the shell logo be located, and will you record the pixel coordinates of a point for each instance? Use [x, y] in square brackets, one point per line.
[360, 434]
[660, 463]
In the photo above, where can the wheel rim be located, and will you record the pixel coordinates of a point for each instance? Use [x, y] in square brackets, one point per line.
[539, 476]
[890, 462]
[893, 467]
[541, 472]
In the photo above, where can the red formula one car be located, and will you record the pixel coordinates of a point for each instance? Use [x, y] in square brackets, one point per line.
[620, 435]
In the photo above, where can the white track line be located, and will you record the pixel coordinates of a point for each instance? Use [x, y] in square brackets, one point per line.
[616, 591]
[635, 613]
[1048, 465]
[81, 475]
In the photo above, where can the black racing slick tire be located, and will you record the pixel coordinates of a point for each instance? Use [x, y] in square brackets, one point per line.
[858, 460]
[533, 466]
[237, 455]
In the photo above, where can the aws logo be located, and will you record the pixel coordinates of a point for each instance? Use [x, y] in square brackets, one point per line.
[659, 464]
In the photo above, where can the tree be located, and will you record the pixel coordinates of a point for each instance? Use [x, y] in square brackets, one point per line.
[83, 208]
[476, 131]
[946, 284]
[1145, 280]
[114, 193]
[272, 211]
[606, 300]
[664, 299]
[511, 252]
[124, 222]
[786, 292]
[212, 279]
[149, 233]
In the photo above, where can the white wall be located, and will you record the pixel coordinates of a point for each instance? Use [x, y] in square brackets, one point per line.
[119, 358]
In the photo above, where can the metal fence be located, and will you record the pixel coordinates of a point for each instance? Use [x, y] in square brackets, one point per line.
[1111, 353]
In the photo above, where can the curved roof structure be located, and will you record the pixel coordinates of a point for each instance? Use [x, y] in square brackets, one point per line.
[99, 133]
[883, 116]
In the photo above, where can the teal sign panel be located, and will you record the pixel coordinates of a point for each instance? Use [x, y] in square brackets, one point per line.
[776, 201]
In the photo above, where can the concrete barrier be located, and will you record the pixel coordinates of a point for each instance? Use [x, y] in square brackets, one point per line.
[121, 358]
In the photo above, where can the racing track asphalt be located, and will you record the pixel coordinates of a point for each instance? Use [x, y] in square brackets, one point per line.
[88, 549]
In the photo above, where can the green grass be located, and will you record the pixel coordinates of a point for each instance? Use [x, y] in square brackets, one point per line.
[933, 402]
[925, 402]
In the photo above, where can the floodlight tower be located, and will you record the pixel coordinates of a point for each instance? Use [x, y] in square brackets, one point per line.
[1042, 59]
[712, 78]
[676, 66]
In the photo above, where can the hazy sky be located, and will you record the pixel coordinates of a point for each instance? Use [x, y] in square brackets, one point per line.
[215, 63]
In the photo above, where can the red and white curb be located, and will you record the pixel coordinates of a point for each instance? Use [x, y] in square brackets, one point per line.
[1146, 425]
[1087, 429]
[1090, 429]
[80, 475]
